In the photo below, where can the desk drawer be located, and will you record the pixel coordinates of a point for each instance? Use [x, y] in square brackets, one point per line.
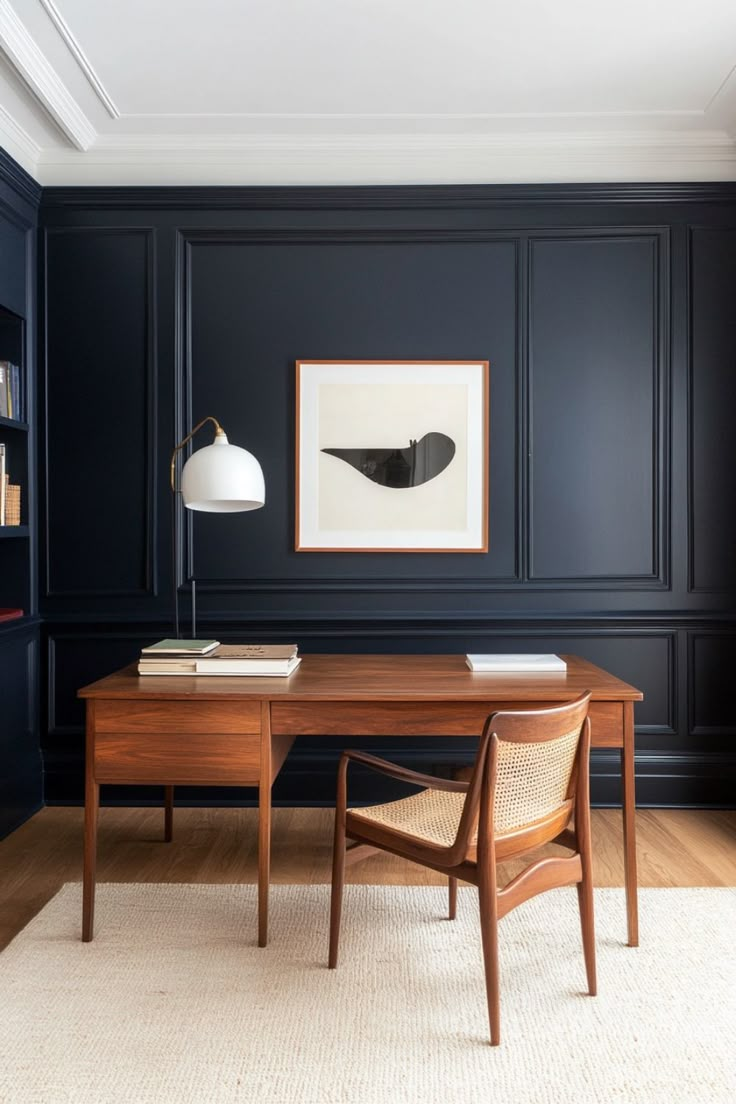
[173, 758]
[339, 718]
[178, 716]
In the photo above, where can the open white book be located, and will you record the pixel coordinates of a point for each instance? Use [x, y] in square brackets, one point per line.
[498, 661]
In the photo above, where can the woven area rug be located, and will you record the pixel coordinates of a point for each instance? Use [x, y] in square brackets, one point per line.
[173, 1002]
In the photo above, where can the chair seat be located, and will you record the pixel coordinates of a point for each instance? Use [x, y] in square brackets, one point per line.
[431, 816]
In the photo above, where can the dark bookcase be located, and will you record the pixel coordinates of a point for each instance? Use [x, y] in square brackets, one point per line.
[16, 590]
[21, 775]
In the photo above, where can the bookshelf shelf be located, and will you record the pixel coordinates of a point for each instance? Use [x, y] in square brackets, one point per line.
[7, 532]
[11, 423]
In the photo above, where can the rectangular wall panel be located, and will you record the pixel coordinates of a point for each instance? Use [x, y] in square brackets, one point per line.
[712, 662]
[256, 306]
[99, 368]
[712, 438]
[594, 398]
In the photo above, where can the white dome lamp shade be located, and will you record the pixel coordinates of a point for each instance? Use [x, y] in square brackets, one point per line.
[222, 479]
[218, 479]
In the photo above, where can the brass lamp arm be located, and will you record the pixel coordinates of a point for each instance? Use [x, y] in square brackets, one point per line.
[219, 432]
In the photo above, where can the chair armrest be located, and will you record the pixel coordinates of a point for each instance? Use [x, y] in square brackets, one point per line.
[403, 774]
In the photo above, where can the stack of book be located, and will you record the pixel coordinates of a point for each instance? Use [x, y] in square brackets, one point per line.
[9, 494]
[209, 657]
[523, 663]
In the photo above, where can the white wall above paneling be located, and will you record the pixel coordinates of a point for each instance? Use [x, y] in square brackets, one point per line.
[368, 91]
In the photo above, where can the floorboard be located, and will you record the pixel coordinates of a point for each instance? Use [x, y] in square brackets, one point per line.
[676, 847]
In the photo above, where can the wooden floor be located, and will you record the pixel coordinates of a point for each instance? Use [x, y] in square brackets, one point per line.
[676, 847]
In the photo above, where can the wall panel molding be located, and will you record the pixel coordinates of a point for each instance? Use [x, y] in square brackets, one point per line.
[659, 461]
[711, 447]
[711, 655]
[187, 241]
[116, 443]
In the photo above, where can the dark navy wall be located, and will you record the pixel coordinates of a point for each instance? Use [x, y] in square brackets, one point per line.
[607, 317]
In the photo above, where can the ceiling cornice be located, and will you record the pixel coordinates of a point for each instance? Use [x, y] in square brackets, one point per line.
[111, 153]
[353, 159]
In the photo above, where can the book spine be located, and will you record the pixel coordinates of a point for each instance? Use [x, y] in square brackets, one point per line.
[4, 389]
[12, 503]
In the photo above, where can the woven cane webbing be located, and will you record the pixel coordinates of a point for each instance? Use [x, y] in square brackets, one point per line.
[531, 782]
[432, 815]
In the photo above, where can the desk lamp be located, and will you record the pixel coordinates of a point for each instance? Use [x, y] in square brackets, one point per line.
[218, 479]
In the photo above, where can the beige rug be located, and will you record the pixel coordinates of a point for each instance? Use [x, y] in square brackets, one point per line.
[173, 1003]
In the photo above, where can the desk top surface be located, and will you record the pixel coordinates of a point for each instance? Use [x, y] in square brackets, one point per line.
[373, 678]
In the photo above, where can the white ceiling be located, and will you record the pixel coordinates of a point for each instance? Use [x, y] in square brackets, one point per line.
[368, 91]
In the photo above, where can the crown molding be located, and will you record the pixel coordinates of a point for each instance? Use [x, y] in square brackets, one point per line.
[18, 141]
[392, 159]
[35, 71]
[80, 57]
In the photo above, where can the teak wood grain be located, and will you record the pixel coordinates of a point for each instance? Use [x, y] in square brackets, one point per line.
[189, 716]
[191, 730]
[171, 758]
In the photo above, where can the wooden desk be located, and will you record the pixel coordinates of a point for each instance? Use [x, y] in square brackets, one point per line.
[185, 731]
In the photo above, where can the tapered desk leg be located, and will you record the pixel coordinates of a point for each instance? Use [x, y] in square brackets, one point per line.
[264, 825]
[168, 813]
[629, 814]
[91, 813]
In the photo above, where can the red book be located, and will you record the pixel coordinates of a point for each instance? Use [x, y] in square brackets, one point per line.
[8, 614]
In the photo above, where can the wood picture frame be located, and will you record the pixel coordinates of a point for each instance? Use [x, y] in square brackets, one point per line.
[392, 456]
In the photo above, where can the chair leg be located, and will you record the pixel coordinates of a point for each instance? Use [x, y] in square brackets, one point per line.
[587, 926]
[452, 913]
[338, 881]
[488, 905]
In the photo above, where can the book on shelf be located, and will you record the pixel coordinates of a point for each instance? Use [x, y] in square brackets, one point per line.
[516, 662]
[258, 660]
[2, 483]
[11, 398]
[180, 647]
[12, 502]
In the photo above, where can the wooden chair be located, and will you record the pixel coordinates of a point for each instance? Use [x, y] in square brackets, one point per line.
[529, 784]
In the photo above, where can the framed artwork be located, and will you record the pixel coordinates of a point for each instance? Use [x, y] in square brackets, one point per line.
[392, 456]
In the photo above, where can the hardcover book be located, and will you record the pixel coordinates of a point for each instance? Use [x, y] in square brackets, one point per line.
[180, 647]
[520, 662]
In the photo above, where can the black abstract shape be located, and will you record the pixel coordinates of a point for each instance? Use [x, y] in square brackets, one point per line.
[408, 467]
